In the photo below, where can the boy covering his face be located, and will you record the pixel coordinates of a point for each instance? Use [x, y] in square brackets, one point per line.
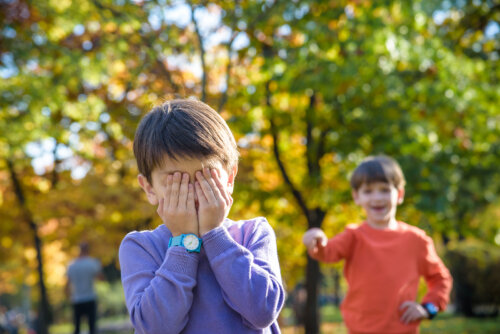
[198, 272]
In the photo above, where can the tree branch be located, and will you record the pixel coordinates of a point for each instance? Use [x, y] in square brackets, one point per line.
[224, 95]
[57, 161]
[321, 144]
[166, 73]
[309, 137]
[101, 7]
[274, 132]
[202, 54]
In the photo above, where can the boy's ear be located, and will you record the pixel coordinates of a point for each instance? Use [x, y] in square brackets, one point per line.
[355, 196]
[231, 178]
[148, 189]
[401, 195]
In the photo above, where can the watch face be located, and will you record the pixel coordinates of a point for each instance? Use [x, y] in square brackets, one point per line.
[191, 242]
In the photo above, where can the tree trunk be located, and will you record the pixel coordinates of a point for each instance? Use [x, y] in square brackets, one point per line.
[336, 287]
[44, 313]
[315, 218]
[312, 283]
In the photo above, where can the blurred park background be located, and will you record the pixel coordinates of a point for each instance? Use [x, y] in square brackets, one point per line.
[309, 88]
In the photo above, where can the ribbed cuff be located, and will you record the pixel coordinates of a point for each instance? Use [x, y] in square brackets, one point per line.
[216, 241]
[179, 260]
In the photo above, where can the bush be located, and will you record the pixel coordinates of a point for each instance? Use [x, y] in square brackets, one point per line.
[111, 300]
[475, 267]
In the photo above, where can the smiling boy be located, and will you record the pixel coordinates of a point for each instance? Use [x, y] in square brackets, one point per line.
[384, 258]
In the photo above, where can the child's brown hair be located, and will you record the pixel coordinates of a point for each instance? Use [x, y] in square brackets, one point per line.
[378, 168]
[183, 129]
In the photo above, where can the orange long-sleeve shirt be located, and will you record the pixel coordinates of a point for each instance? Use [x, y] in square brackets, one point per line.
[382, 269]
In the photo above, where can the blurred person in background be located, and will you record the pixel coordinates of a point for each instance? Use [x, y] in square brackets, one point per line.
[81, 275]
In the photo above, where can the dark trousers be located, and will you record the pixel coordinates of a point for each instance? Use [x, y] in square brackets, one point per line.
[88, 309]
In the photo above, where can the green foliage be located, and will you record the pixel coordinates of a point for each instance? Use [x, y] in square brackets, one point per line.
[111, 299]
[475, 267]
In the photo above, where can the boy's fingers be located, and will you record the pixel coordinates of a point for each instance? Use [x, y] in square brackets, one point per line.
[199, 193]
[305, 240]
[403, 317]
[220, 187]
[183, 190]
[174, 192]
[411, 312]
[405, 304]
[205, 187]
[408, 316]
[190, 198]
[168, 188]
[309, 240]
[211, 182]
[307, 237]
[322, 241]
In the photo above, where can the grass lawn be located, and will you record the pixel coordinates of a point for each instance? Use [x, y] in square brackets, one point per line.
[443, 324]
[331, 323]
[116, 325]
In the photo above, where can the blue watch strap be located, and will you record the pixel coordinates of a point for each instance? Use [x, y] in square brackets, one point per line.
[176, 241]
[432, 310]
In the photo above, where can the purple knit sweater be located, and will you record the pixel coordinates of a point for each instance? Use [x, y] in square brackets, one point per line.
[232, 286]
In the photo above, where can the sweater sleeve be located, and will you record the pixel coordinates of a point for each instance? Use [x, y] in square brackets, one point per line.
[248, 275]
[158, 295]
[338, 247]
[437, 276]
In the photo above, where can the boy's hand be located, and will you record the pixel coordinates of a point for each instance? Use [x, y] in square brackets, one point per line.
[315, 240]
[176, 207]
[213, 199]
[414, 311]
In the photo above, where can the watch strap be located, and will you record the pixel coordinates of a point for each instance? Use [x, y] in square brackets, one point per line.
[176, 241]
[179, 241]
[431, 309]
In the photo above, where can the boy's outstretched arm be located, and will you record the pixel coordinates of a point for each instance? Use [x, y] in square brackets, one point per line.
[320, 248]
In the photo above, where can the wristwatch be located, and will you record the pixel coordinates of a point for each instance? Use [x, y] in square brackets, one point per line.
[431, 309]
[189, 241]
